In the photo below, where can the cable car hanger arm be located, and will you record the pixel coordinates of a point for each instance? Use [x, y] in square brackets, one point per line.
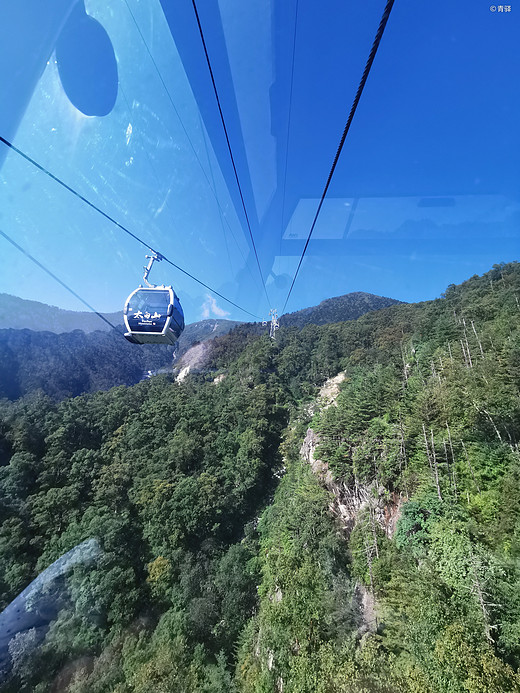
[153, 257]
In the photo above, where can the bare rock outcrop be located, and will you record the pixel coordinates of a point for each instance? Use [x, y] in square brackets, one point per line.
[366, 605]
[194, 359]
[330, 390]
[349, 500]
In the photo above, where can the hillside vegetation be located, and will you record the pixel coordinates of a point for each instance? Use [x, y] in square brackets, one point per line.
[73, 363]
[388, 561]
[85, 357]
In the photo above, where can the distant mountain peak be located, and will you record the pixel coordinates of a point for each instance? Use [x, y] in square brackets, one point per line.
[337, 309]
[20, 313]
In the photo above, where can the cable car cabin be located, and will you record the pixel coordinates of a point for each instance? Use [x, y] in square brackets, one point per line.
[153, 316]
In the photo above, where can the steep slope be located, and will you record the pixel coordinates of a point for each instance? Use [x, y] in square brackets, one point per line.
[202, 331]
[71, 363]
[417, 460]
[64, 363]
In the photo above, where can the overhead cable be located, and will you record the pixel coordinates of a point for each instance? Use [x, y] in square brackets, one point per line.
[229, 147]
[366, 71]
[195, 153]
[60, 281]
[120, 226]
[288, 123]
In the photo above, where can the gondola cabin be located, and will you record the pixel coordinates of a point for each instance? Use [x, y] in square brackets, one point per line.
[153, 316]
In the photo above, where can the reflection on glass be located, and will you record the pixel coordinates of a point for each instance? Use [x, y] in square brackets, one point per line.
[26, 621]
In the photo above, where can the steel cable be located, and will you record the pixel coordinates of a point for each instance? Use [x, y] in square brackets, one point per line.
[120, 226]
[229, 147]
[366, 71]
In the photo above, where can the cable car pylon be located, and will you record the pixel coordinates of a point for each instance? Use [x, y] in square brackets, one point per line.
[273, 323]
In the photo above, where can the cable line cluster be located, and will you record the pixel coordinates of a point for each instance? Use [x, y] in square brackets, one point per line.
[119, 225]
[288, 123]
[366, 71]
[211, 186]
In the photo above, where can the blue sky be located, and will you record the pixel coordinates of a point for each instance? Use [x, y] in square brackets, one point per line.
[426, 192]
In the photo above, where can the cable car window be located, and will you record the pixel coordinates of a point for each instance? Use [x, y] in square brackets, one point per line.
[150, 302]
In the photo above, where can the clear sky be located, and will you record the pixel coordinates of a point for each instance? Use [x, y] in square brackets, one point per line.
[115, 99]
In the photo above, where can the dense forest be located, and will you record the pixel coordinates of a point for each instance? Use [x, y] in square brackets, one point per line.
[77, 362]
[72, 363]
[253, 537]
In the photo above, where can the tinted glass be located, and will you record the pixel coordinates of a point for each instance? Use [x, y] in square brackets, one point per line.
[147, 310]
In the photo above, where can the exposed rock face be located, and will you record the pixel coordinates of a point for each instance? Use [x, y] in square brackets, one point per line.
[270, 660]
[182, 374]
[330, 390]
[277, 596]
[349, 501]
[327, 396]
[194, 359]
[366, 605]
[321, 469]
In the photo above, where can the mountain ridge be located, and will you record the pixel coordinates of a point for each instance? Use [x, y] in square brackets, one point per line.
[22, 313]
[69, 363]
[338, 309]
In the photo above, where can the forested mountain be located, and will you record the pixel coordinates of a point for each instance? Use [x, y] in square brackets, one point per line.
[348, 307]
[19, 313]
[252, 539]
[69, 364]
[202, 331]
[73, 363]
